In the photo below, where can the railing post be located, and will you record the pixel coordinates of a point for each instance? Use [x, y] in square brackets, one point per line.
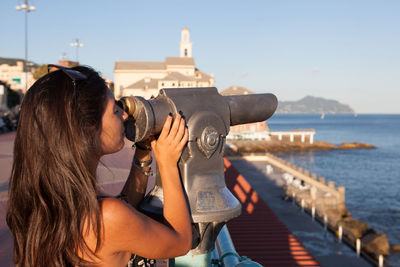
[342, 194]
[380, 260]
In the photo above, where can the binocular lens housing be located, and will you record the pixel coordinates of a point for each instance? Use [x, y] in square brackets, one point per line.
[128, 105]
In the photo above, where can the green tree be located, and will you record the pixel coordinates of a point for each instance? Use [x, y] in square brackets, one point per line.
[39, 72]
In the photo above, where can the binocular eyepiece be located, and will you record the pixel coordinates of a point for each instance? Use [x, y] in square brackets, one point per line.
[128, 105]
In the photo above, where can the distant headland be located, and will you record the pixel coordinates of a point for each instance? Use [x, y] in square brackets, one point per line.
[311, 104]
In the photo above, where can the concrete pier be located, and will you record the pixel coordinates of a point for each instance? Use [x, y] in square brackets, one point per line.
[303, 134]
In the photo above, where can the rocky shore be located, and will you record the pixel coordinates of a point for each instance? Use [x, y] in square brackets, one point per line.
[238, 147]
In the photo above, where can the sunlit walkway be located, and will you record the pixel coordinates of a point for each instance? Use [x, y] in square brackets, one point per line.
[258, 233]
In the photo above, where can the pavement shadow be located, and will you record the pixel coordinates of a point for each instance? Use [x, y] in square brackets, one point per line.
[258, 233]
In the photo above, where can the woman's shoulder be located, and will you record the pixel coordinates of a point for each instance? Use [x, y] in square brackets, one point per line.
[118, 219]
[114, 210]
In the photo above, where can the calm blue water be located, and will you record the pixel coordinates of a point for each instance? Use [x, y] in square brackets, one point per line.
[371, 177]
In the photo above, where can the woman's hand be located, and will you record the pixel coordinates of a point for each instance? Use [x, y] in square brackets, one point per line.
[168, 147]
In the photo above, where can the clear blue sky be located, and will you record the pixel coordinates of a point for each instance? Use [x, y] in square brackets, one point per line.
[344, 50]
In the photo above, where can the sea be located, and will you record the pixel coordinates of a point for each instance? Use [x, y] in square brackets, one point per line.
[371, 176]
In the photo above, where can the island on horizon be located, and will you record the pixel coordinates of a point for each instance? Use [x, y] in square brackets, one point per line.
[314, 105]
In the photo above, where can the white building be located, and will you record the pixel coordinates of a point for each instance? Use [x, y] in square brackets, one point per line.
[146, 78]
[12, 72]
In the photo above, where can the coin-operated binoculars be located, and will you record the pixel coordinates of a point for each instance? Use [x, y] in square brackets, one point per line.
[208, 116]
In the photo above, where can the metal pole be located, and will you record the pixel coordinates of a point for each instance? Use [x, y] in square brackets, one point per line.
[76, 44]
[77, 50]
[191, 260]
[26, 50]
[224, 244]
[27, 8]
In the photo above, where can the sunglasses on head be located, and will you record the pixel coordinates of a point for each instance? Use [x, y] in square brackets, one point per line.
[73, 74]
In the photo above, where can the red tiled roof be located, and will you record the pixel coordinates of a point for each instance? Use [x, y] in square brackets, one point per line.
[137, 65]
[236, 90]
[179, 61]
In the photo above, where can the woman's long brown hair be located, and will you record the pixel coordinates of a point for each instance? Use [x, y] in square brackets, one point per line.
[52, 191]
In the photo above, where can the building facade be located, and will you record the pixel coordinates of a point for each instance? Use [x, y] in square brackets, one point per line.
[147, 78]
[13, 73]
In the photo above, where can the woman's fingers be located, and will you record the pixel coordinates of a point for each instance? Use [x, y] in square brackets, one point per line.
[173, 132]
[184, 139]
[173, 137]
[181, 130]
[175, 126]
[153, 144]
[166, 128]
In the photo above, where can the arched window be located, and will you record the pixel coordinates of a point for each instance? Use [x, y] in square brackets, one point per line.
[186, 53]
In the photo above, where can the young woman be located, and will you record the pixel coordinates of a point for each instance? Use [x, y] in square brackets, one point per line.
[68, 120]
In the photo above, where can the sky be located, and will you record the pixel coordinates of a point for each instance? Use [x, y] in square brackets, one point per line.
[343, 50]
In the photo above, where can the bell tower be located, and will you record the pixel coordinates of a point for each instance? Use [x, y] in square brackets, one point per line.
[185, 44]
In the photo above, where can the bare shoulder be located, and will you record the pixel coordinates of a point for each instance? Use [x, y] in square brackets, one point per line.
[110, 253]
[116, 212]
[120, 220]
[127, 230]
[109, 206]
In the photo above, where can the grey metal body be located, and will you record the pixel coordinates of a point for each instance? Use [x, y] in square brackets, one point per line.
[208, 116]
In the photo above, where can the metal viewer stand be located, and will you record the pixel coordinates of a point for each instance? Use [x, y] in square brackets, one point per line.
[208, 116]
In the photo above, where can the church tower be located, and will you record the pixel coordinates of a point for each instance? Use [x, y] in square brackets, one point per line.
[185, 44]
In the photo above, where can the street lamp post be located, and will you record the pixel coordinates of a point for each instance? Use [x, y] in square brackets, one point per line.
[77, 44]
[25, 6]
